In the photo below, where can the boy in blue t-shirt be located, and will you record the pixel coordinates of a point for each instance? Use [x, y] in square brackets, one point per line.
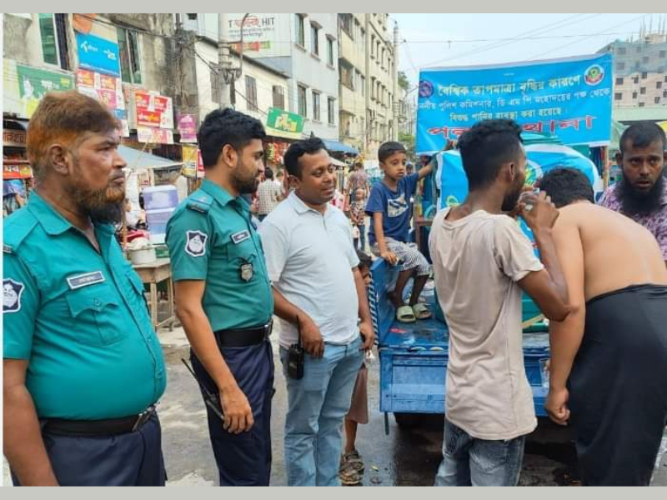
[389, 208]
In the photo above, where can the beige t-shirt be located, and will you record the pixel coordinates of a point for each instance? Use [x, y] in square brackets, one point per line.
[477, 262]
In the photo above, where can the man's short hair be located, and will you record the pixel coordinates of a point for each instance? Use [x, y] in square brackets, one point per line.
[486, 147]
[226, 126]
[567, 185]
[365, 260]
[268, 173]
[642, 135]
[389, 148]
[64, 117]
[297, 149]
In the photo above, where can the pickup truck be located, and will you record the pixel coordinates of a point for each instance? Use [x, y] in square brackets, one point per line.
[413, 356]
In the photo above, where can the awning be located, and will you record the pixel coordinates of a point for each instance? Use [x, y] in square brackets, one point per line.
[332, 145]
[138, 160]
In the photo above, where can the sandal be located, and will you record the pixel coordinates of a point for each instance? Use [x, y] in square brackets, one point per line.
[354, 459]
[421, 311]
[349, 476]
[405, 314]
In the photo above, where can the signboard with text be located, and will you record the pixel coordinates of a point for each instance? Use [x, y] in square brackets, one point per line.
[98, 54]
[570, 98]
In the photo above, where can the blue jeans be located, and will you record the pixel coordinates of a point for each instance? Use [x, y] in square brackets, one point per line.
[479, 462]
[360, 243]
[317, 405]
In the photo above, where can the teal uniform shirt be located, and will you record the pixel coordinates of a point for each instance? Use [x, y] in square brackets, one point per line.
[79, 317]
[211, 238]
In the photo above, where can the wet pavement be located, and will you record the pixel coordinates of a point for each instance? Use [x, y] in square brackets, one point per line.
[404, 457]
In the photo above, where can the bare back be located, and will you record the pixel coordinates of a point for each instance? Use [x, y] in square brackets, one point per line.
[617, 252]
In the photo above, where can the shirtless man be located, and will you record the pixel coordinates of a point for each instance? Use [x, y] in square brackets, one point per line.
[608, 357]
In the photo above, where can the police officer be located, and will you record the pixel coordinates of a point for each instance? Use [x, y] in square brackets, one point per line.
[224, 298]
[83, 368]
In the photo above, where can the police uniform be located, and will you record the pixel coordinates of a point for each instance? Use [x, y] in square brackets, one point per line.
[95, 365]
[211, 238]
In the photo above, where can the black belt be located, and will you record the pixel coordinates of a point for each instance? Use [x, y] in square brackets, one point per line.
[97, 428]
[244, 337]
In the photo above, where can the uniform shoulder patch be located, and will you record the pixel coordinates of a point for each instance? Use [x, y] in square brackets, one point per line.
[11, 295]
[195, 243]
[200, 202]
[16, 230]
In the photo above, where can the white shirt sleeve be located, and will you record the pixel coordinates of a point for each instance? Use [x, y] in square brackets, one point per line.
[276, 249]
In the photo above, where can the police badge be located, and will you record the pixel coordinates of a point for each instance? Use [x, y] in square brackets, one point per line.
[247, 271]
[195, 244]
[11, 295]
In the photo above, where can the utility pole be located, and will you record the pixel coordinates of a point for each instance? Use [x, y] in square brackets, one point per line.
[224, 62]
[394, 77]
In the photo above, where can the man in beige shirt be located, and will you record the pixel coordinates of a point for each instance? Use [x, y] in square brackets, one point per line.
[481, 262]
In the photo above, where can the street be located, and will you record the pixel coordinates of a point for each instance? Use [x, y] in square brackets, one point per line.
[402, 458]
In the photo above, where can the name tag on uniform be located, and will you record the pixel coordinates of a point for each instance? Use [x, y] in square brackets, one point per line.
[82, 280]
[240, 236]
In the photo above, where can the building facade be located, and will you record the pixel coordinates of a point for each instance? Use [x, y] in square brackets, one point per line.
[302, 48]
[640, 69]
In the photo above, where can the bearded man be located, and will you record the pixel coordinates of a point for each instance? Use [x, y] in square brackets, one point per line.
[224, 298]
[642, 192]
[83, 368]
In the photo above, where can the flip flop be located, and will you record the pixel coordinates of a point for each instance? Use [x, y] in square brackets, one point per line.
[421, 311]
[349, 476]
[354, 459]
[405, 314]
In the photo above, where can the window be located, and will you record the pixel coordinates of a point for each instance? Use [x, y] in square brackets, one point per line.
[192, 17]
[641, 104]
[128, 47]
[634, 95]
[300, 35]
[303, 110]
[642, 90]
[666, 79]
[621, 51]
[620, 66]
[55, 49]
[635, 79]
[316, 106]
[330, 51]
[346, 74]
[656, 100]
[372, 88]
[362, 83]
[315, 39]
[618, 96]
[619, 81]
[363, 39]
[251, 93]
[278, 97]
[664, 93]
[372, 46]
[658, 85]
[331, 107]
[346, 24]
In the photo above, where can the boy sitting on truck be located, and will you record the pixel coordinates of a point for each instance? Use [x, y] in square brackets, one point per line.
[389, 208]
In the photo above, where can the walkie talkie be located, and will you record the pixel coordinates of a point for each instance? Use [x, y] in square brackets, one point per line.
[295, 358]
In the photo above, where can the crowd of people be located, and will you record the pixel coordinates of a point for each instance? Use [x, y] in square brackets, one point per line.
[83, 368]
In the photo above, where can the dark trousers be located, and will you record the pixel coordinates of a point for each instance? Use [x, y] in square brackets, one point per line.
[133, 459]
[244, 459]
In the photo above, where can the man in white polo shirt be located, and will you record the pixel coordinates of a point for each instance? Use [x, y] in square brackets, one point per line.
[320, 293]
